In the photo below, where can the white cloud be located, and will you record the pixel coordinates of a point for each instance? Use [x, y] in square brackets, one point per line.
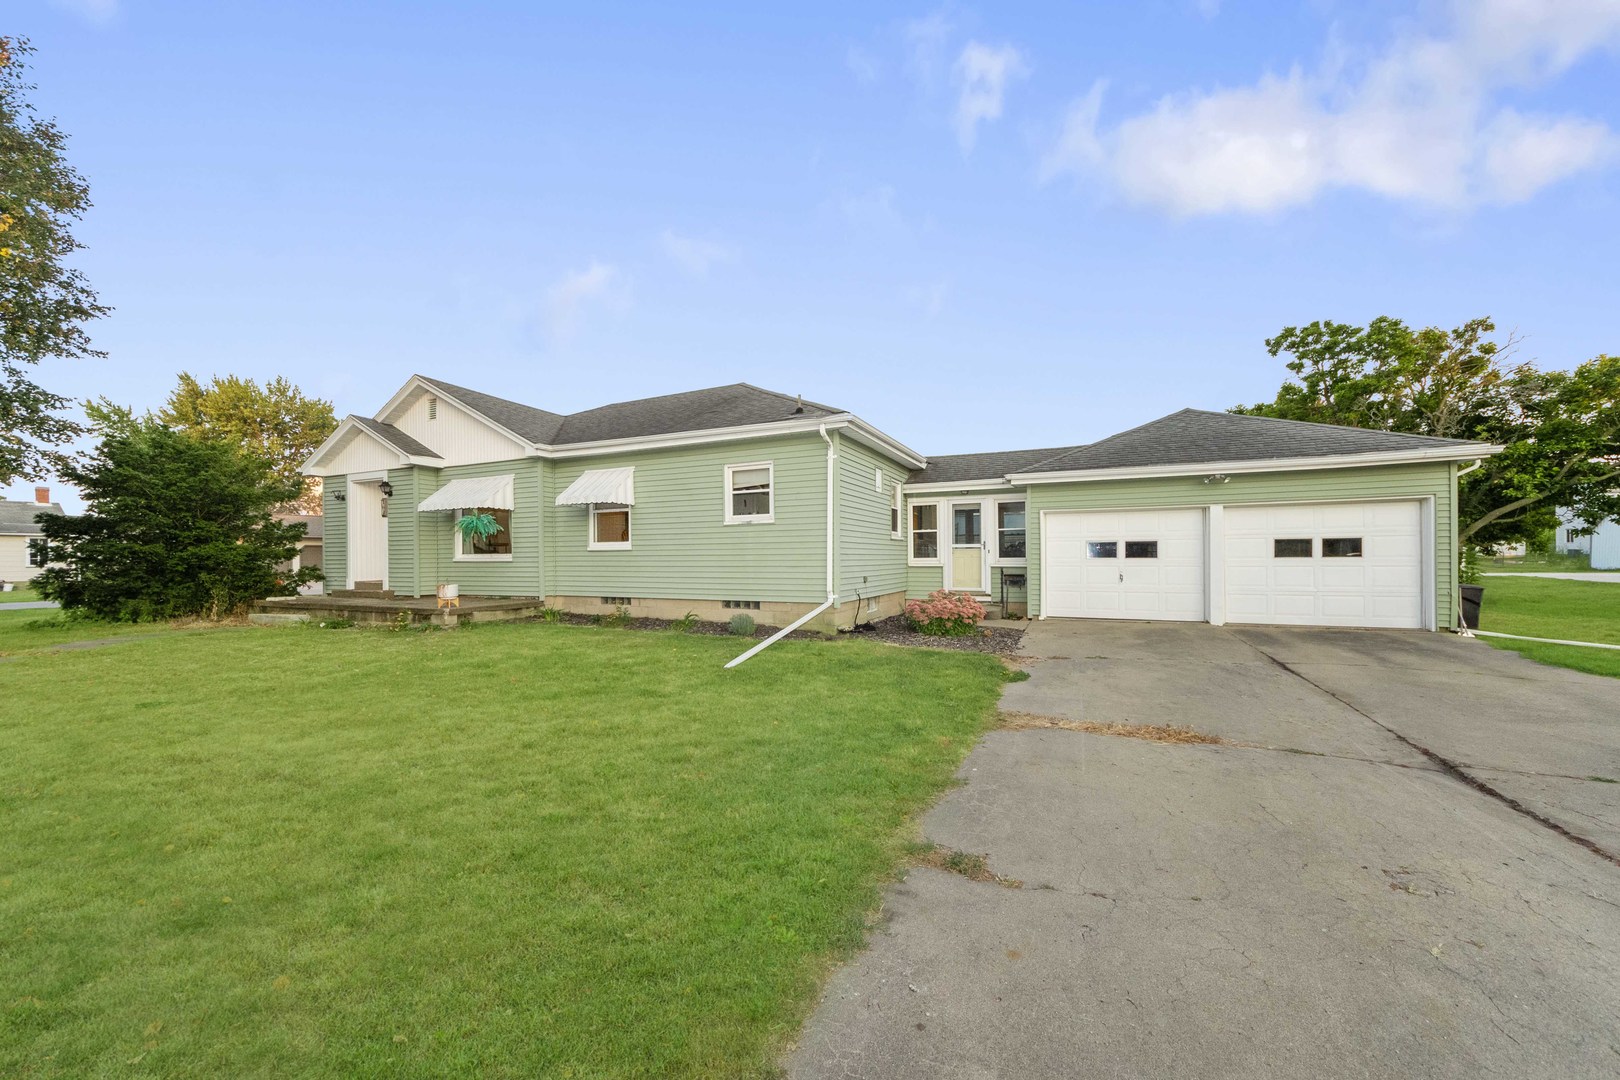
[1207, 9]
[925, 40]
[567, 300]
[929, 298]
[981, 74]
[94, 12]
[870, 211]
[862, 64]
[693, 254]
[1416, 122]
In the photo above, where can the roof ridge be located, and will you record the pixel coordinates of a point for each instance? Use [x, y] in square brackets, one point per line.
[1318, 424]
[1108, 438]
[481, 393]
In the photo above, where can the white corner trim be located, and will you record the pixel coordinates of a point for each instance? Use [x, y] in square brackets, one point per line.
[1262, 465]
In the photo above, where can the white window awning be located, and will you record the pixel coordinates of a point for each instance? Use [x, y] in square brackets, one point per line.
[494, 492]
[601, 486]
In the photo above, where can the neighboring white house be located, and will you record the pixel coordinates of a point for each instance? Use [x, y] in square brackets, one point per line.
[310, 547]
[1603, 545]
[22, 544]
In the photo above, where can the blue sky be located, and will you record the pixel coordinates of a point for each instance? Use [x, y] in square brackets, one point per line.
[977, 227]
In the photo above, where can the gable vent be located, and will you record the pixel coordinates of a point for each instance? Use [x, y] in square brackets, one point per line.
[433, 408]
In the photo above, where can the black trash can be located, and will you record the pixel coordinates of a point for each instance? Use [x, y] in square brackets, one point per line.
[1472, 595]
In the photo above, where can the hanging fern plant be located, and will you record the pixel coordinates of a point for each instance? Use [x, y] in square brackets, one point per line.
[477, 526]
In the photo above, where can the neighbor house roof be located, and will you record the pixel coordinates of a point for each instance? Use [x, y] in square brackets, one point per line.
[17, 516]
[737, 405]
[314, 524]
[394, 437]
[1195, 437]
[953, 468]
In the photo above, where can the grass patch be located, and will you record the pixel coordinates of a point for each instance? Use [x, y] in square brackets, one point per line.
[21, 595]
[510, 850]
[23, 631]
[1549, 608]
[1538, 564]
[1160, 733]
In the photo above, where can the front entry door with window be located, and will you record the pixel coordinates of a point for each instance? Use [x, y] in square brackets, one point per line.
[967, 548]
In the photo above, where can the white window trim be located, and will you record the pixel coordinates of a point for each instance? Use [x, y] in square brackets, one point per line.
[749, 519]
[995, 528]
[911, 533]
[458, 556]
[897, 513]
[591, 542]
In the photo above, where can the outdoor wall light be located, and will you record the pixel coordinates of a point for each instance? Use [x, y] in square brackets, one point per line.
[386, 488]
[340, 497]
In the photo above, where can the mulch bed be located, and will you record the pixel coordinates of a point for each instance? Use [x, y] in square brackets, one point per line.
[995, 640]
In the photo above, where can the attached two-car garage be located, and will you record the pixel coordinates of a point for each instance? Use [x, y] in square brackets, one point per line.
[1352, 564]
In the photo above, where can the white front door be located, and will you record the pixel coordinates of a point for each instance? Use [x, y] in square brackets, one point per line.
[1124, 564]
[967, 571]
[368, 533]
[1326, 564]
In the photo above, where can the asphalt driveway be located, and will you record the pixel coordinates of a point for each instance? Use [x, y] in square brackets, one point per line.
[1328, 894]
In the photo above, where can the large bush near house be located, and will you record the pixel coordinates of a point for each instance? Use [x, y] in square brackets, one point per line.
[945, 613]
[174, 526]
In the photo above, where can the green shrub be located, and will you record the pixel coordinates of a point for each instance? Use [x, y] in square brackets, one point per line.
[684, 624]
[551, 615]
[741, 625]
[619, 617]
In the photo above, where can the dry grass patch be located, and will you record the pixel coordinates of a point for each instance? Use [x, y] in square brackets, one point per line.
[971, 866]
[1160, 733]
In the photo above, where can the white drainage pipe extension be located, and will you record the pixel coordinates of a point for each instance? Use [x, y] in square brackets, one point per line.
[782, 633]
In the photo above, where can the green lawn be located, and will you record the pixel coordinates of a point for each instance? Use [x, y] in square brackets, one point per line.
[517, 850]
[1537, 564]
[40, 628]
[1543, 607]
[22, 594]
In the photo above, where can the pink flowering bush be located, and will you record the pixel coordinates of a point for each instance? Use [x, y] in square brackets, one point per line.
[945, 613]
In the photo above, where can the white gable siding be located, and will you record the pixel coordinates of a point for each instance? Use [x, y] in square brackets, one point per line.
[455, 435]
[362, 454]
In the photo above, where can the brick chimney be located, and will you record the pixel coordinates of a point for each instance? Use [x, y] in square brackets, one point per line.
[42, 495]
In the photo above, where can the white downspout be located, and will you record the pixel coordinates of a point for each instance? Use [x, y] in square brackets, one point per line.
[1456, 582]
[832, 597]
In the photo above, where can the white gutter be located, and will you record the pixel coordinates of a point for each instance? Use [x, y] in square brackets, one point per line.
[832, 597]
[1462, 627]
[1207, 468]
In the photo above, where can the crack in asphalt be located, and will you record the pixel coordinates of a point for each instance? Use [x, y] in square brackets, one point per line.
[1447, 766]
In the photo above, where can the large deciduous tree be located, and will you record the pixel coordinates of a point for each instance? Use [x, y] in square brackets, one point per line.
[275, 422]
[174, 526]
[44, 303]
[1561, 428]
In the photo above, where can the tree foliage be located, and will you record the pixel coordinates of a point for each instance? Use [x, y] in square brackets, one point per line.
[275, 422]
[175, 525]
[44, 303]
[1561, 429]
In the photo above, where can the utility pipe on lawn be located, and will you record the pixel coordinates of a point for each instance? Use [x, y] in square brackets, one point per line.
[832, 597]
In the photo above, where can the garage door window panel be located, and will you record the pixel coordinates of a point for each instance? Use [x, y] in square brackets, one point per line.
[1102, 549]
[1341, 547]
[1292, 549]
[1141, 549]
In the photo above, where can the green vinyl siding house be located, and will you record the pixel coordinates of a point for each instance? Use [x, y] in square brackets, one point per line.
[738, 498]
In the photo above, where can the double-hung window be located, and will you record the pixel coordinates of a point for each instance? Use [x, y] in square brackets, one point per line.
[925, 532]
[1010, 534]
[894, 512]
[39, 553]
[496, 547]
[750, 493]
[610, 526]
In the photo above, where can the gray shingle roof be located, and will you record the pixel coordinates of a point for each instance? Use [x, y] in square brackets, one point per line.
[951, 468]
[17, 516]
[394, 437]
[696, 410]
[314, 524]
[536, 425]
[1194, 437]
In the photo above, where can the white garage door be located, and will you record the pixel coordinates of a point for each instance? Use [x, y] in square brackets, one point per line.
[1126, 564]
[1325, 564]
